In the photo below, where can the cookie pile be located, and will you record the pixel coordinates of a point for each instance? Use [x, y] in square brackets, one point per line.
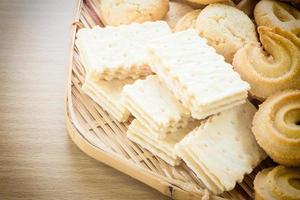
[183, 71]
[114, 57]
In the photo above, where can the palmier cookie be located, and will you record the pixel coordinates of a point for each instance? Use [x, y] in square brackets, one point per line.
[275, 69]
[279, 183]
[276, 127]
[187, 21]
[176, 11]
[116, 12]
[226, 28]
[273, 13]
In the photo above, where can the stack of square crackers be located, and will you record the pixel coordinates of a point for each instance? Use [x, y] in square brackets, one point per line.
[188, 104]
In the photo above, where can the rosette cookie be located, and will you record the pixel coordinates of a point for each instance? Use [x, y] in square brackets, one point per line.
[275, 69]
[277, 14]
[276, 127]
[278, 183]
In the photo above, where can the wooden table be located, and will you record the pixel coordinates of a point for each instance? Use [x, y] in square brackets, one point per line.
[37, 158]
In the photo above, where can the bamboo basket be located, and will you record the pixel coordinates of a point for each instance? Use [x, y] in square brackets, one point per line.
[97, 134]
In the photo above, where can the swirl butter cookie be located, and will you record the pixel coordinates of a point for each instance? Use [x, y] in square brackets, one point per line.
[277, 14]
[176, 11]
[118, 12]
[187, 21]
[275, 69]
[279, 183]
[226, 28]
[276, 127]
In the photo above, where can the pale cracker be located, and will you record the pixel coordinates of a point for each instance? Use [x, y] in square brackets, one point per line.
[198, 76]
[153, 104]
[163, 148]
[196, 167]
[224, 146]
[118, 52]
[208, 109]
[108, 95]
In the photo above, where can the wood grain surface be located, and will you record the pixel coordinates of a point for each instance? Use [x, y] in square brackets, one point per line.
[37, 158]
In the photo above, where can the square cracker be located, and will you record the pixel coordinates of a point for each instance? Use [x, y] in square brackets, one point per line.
[189, 158]
[196, 74]
[108, 95]
[163, 148]
[155, 107]
[118, 52]
[223, 147]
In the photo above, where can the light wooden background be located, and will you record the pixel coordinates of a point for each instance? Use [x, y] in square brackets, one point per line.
[37, 158]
